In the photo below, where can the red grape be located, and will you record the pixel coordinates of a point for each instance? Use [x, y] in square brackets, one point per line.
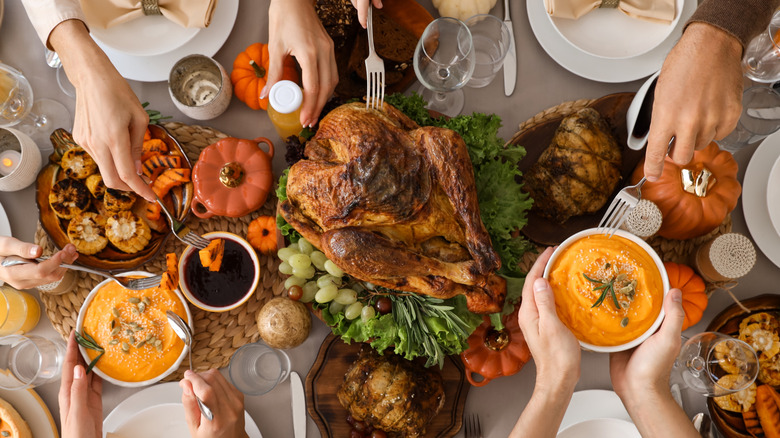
[295, 293]
[384, 305]
[378, 434]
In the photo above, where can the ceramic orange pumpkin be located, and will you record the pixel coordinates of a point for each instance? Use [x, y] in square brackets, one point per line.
[232, 177]
[495, 353]
[696, 197]
[694, 291]
[250, 74]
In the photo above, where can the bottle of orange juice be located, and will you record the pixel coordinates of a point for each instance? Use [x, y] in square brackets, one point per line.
[284, 108]
[19, 311]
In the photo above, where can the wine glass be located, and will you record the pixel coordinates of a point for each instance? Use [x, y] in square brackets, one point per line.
[36, 119]
[443, 62]
[707, 357]
[761, 62]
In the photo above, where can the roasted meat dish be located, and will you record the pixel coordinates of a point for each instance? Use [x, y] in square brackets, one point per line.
[395, 204]
[391, 393]
[579, 171]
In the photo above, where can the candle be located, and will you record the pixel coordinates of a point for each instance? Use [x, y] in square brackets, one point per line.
[9, 161]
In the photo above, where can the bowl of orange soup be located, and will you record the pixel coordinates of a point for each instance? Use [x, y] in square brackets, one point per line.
[609, 291]
[132, 327]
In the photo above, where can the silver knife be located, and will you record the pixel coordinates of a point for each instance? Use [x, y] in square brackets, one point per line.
[510, 62]
[298, 405]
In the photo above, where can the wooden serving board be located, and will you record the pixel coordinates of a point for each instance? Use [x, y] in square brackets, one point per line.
[730, 424]
[327, 375]
[537, 138]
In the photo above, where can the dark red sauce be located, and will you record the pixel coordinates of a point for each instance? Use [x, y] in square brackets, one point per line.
[225, 287]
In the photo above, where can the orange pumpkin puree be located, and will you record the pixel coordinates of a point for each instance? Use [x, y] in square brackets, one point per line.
[137, 321]
[575, 295]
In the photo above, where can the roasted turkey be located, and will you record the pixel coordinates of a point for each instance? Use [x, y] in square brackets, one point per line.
[391, 393]
[579, 171]
[395, 204]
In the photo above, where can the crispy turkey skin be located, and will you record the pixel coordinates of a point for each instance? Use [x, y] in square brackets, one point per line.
[395, 204]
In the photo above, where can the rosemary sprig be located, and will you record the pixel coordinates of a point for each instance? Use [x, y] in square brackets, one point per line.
[89, 342]
[606, 288]
[154, 115]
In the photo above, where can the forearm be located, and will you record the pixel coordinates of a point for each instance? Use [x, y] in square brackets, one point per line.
[542, 416]
[657, 415]
[79, 54]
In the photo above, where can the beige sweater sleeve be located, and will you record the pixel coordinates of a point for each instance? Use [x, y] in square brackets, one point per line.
[45, 15]
[744, 19]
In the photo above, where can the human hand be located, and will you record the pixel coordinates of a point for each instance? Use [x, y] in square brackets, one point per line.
[698, 97]
[30, 275]
[109, 122]
[80, 398]
[362, 8]
[648, 367]
[295, 30]
[555, 350]
[224, 400]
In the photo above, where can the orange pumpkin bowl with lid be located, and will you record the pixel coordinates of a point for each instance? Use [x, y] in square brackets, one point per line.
[232, 177]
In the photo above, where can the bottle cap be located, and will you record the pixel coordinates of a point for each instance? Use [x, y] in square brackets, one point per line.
[285, 97]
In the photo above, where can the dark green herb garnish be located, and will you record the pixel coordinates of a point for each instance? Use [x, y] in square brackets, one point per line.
[89, 342]
[154, 115]
[606, 288]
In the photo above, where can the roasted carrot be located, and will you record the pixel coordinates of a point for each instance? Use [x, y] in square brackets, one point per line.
[153, 211]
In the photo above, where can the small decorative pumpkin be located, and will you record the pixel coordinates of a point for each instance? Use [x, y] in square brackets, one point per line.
[232, 177]
[250, 73]
[261, 234]
[494, 353]
[694, 293]
[696, 197]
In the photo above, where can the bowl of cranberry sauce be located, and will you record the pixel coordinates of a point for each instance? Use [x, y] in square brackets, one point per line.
[226, 288]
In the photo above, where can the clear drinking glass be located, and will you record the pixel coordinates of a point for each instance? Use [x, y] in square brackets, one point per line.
[760, 117]
[443, 62]
[29, 361]
[707, 357]
[761, 62]
[491, 40]
[257, 368]
[36, 119]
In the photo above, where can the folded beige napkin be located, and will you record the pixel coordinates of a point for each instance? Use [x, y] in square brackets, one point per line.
[187, 13]
[659, 11]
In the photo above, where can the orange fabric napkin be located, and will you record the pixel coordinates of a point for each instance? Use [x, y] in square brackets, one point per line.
[659, 11]
[187, 13]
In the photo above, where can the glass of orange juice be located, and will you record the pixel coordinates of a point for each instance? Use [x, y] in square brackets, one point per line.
[19, 311]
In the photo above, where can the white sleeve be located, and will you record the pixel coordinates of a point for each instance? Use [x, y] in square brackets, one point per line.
[45, 15]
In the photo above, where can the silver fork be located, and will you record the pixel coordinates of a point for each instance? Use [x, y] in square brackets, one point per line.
[182, 231]
[375, 70]
[624, 202]
[126, 282]
[472, 426]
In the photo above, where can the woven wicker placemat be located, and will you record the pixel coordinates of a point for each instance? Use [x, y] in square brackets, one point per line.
[677, 251]
[217, 335]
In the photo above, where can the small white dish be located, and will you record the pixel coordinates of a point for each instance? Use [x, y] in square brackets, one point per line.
[602, 428]
[642, 103]
[593, 403]
[96, 369]
[594, 67]
[157, 67]
[611, 34]
[755, 197]
[145, 36]
[659, 264]
[164, 395]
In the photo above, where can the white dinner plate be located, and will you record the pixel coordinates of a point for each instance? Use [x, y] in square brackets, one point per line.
[165, 398]
[592, 404]
[755, 198]
[596, 68]
[601, 428]
[33, 410]
[156, 68]
[5, 226]
[145, 36]
[773, 196]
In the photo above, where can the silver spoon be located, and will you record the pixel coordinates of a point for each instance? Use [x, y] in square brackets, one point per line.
[183, 331]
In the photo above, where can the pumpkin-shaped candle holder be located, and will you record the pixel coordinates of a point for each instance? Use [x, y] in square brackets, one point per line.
[232, 177]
